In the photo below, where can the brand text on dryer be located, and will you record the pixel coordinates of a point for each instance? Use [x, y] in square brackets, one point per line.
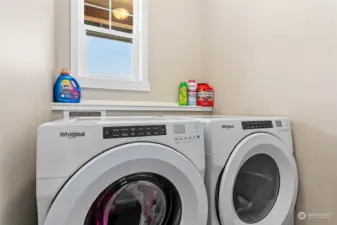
[228, 126]
[71, 135]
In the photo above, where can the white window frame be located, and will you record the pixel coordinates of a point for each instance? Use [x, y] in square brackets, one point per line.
[139, 80]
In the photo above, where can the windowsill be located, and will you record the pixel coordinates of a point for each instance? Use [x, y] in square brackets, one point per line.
[96, 105]
[112, 84]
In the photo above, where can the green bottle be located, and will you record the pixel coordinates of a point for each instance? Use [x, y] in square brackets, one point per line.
[183, 93]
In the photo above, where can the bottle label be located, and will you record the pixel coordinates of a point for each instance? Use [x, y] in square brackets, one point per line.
[68, 90]
[192, 94]
[183, 96]
[205, 98]
[192, 98]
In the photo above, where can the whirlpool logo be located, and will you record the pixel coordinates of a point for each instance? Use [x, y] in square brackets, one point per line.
[228, 126]
[72, 135]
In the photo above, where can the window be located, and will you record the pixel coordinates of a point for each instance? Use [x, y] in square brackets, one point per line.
[109, 44]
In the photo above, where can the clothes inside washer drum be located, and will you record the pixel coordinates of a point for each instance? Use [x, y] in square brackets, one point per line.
[137, 203]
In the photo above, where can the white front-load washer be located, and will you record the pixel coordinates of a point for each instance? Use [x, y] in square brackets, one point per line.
[121, 171]
[251, 174]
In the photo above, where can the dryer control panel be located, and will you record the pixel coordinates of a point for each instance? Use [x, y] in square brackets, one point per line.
[266, 124]
[248, 125]
[133, 131]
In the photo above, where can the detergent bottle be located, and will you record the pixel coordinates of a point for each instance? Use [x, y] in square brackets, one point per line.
[183, 88]
[66, 88]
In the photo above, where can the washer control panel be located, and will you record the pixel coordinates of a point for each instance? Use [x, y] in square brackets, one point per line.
[133, 131]
[186, 133]
[249, 125]
[187, 138]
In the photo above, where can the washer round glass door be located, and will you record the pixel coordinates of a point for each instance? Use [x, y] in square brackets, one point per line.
[259, 183]
[133, 184]
[143, 198]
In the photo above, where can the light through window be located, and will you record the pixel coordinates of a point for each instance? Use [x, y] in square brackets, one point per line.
[109, 48]
[109, 44]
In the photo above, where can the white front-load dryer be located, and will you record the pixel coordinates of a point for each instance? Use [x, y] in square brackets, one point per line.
[251, 174]
[121, 171]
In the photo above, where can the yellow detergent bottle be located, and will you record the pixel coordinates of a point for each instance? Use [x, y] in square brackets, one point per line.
[183, 89]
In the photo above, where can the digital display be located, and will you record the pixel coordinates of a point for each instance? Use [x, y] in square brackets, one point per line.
[179, 129]
[278, 123]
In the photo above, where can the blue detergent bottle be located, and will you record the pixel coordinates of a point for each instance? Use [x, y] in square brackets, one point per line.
[66, 88]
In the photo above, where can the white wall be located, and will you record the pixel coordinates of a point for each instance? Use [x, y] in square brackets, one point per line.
[279, 57]
[26, 61]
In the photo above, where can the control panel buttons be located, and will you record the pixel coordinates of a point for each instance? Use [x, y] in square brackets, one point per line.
[124, 134]
[106, 132]
[185, 139]
[141, 134]
[133, 131]
[248, 125]
[115, 135]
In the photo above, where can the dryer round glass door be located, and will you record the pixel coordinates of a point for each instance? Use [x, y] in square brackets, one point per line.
[259, 183]
[256, 188]
[133, 184]
[143, 198]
